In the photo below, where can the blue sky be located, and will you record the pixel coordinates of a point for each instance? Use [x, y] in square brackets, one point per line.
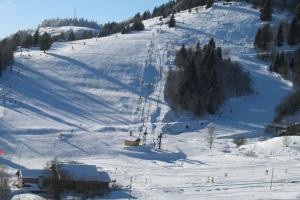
[24, 14]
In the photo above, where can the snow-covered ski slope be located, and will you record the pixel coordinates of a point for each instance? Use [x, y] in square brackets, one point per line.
[94, 94]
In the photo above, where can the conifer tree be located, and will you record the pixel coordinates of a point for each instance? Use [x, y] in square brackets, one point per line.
[257, 38]
[138, 25]
[172, 22]
[36, 38]
[62, 36]
[17, 39]
[211, 45]
[45, 42]
[297, 11]
[1, 67]
[266, 12]
[275, 65]
[27, 41]
[292, 35]
[264, 38]
[209, 3]
[292, 64]
[72, 36]
[214, 96]
[280, 36]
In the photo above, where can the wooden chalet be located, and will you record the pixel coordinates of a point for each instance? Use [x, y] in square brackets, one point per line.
[71, 176]
[284, 128]
[82, 177]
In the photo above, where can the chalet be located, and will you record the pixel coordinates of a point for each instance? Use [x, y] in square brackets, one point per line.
[82, 177]
[71, 176]
[284, 128]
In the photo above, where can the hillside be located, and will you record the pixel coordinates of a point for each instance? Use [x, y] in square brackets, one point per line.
[78, 31]
[95, 93]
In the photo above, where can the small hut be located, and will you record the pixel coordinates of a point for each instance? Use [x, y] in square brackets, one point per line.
[132, 141]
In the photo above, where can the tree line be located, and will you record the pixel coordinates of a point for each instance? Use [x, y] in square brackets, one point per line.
[25, 39]
[291, 104]
[280, 4]
[70, 22]
[163, 11]
[268, 39]
[203, 79]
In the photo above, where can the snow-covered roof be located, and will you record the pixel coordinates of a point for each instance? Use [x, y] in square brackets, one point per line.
[78, 172]
[132, 138]
[34, 173]
[104, 176]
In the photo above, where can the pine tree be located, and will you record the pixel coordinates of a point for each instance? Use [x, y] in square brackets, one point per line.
[209, 3]
[198, 47]
[297, 11]
[62, 36]
[72, 36]
[27, 41]
[276, 64]
[17, 39]
[36, 38]
[292, 64]
[280, 36]
[138, 25]
[172, 22]
[211, 45]
[1, 64]
[264, 38]
[45, 42]
[266, 12]
[257, 38]
[181, 57]
[214, 96]
[292, 35]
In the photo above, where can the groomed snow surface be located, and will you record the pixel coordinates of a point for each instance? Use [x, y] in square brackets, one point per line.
[91, 95]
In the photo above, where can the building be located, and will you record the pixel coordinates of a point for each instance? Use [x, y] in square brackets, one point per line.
[132, 141]
[284, 128]
[70, 176]
[82, 177]
[33, 176]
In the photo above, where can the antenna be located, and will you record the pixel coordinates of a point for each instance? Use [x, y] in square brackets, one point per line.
[75, 13]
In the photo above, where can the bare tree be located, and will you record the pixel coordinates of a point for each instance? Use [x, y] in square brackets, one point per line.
[4, 188]
[286, 140]
[211, 135]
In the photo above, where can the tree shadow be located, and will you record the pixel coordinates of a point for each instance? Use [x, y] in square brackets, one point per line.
[237, 9]
[55, 100]
[148, 153]
[97, 72]
[119, 194]
[11, 164]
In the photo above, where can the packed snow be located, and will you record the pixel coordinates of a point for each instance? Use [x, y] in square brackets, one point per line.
[79, 101]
